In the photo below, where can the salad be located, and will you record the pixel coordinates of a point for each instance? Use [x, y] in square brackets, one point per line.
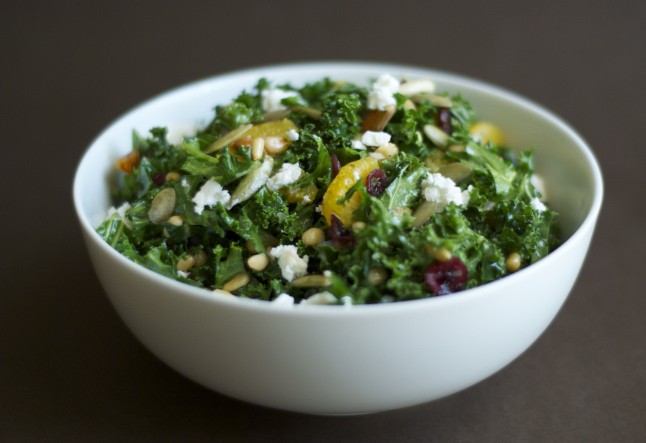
[332, 194]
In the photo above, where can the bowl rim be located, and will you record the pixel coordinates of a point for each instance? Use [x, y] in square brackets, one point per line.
[185, 290]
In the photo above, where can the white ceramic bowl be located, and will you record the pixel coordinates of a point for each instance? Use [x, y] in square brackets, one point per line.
[331, 359]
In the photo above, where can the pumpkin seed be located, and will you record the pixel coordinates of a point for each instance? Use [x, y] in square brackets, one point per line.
[455, 171]
[436, 100]
[437, 136]
[314, 113]
[162, 206]
[312, 281]
[423, 213]
[228, 138]
[252, 182]
[275, 115]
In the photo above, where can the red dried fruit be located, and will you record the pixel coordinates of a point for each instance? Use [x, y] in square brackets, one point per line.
[336, 165]
[341, 237]
[444, 120]
[376, 182]
[158, 178]
[446, 277]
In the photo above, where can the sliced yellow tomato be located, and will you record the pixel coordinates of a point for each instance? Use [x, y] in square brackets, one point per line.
[487, 133]
[277, 129]
[345, 179]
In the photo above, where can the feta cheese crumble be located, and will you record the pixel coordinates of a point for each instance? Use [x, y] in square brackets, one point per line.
[370, 138]
[539, 184]
[381, 92]
[291, 135]
[286, 175]
[538, 205]
[291, 265]
[441, 190]
[183, 274]
[122, 213]
[358, 146]
[210, 194]
[271, 98]
[322, 298]
[283, 300]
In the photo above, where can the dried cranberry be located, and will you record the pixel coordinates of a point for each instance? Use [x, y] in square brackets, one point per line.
[158, 179]
[446, 277]
[376, 182]
[341, 237]
[336, 165]
[444, 120]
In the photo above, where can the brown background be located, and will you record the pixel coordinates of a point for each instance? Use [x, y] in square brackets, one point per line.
[71, 371]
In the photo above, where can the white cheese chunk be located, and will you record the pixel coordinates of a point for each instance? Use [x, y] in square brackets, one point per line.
[539, 185]
[291, 135]
[291, 265]
[322, 298]
[183, 274]
[270, 99]
[358, 146]
[210, 194]
[538, 205]
[283, 300]
[122, 213]
[370, 138]
[286, 175]
[441, 190]
[381, 92]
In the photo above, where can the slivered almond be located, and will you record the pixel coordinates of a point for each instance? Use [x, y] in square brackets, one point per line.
[228, 138]
[436, 100]
[416, 87]
[377, 120]
[437, 136]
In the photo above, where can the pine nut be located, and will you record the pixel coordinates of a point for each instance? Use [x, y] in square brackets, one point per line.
[442, 254]
[257, 148]
[417, 86]
[513, 262]
[221, 292]
[176, 220]
[173, 176]
[313, 236]
[184, 264]
[200, 259]
[275, 145]
[388, 150]
[250, 247]
[236, 282]
[165, 233]
[258, 262]
[268, 250]
[358, 226]
[377, 276]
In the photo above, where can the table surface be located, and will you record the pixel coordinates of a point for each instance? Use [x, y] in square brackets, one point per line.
[71, 371]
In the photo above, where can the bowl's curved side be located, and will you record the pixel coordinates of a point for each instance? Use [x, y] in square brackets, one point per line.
[351, 362]
[330, 359]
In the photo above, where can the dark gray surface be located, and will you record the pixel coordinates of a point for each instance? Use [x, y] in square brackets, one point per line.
[71, 371]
